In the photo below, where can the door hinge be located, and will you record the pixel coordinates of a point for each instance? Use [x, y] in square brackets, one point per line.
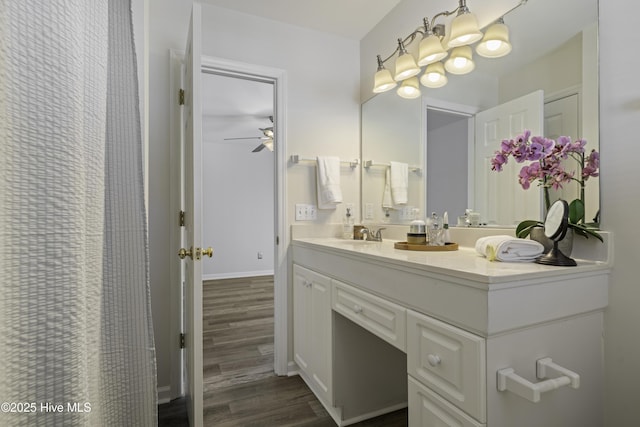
[181, 219]
[181, 97]
[182, 339]
[277, 240]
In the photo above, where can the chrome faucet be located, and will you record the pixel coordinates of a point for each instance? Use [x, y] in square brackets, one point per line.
[375, 236]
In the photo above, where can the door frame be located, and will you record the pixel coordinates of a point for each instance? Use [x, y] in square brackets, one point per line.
[281, 307]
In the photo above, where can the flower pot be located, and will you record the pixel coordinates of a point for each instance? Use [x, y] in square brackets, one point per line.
[565, 245]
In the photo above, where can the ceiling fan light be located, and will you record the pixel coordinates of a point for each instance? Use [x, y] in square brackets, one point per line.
[430, 50]
[434, 76]
[406, 67]
[464, 29]
[495, 43]
[269, 144]
[410, 88]
[460, 61]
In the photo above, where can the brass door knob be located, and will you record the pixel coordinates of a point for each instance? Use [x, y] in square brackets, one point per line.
[183, 253]
[208, 252]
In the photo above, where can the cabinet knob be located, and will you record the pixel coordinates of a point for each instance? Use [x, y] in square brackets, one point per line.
[434, 360]
[357, 309]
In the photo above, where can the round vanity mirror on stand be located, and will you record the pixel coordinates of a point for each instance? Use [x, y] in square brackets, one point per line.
[555, 228]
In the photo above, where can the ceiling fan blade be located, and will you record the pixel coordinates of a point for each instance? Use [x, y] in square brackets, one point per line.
[258, 148]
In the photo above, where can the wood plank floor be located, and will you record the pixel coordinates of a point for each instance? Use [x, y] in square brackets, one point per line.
[240, 388]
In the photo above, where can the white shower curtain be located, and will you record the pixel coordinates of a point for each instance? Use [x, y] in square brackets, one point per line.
[76, 340]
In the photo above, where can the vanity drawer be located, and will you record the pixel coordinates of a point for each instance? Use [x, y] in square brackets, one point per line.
[427, 409]
[449, 361]
[380, 317]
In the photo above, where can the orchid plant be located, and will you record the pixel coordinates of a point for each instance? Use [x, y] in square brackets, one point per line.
[547, 166]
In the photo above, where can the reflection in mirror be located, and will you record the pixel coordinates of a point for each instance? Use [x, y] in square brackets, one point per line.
[560, 61]
[392, 130]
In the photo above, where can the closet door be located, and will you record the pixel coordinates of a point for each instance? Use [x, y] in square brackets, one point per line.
[499, 197]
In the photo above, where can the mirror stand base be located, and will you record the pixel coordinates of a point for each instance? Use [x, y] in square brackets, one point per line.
[556, 257]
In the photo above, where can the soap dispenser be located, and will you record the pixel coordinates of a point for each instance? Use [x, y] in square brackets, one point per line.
[347, 226]
[435, 231]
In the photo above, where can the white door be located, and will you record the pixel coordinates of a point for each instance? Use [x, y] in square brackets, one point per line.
[192, 123]
[561, 119]
[499, 198]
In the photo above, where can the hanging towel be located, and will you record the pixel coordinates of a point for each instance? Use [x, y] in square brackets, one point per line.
[399, 182]
[507, 248]
[387, 203]
[328, 182]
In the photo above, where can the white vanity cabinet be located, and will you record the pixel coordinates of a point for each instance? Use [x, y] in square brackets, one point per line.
[483, 343]
[312, 329]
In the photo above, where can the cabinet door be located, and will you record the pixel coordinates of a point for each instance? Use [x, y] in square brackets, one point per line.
[312, 329]
[301, 318]
[321, 333]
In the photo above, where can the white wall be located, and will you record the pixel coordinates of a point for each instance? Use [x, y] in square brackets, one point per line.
[238, 209]
[322, 118]
[619, 130]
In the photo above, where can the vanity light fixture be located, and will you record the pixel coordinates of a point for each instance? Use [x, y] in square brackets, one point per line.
[464, 31]
[434, 76]
[383, 79]
[460, 61]
[406, 66]
[464, 28]
[495, 43]
[409, 88]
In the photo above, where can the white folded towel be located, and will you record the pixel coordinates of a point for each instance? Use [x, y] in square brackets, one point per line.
[399, 182]
[328, 182]
[508, 248]
[387, 203]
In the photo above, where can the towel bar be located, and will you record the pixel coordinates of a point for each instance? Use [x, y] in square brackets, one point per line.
[297, 159]
[370, 163]
[508, 380]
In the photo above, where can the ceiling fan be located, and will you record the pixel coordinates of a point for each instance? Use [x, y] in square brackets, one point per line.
[267, 139]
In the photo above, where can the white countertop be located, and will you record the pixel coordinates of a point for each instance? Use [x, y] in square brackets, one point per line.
[465, 263]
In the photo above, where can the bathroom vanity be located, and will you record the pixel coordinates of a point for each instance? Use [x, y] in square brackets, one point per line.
[462, 341]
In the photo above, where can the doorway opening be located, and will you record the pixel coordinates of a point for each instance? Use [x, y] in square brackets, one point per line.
[239, 201]
[448, 137]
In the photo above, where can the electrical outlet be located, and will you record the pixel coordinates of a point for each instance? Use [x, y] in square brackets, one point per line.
[368, 211]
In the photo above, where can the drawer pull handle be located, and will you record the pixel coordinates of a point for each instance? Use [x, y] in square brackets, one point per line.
[357, 309]
[508, 380]
[434, 360]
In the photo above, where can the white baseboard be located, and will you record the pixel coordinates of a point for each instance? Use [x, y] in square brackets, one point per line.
[164, 394]
[237, 275]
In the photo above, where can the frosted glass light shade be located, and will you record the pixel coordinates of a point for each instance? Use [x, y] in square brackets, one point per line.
[460, 61]
[464, 30]
[434, 76]
[495, 42]
[406, 67]
[383, 81]
[430, 50]
[409, 88]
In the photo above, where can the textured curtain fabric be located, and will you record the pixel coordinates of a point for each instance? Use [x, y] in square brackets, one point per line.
[76, 343]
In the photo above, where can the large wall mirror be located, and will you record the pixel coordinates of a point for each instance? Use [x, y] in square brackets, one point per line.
[548, 84]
